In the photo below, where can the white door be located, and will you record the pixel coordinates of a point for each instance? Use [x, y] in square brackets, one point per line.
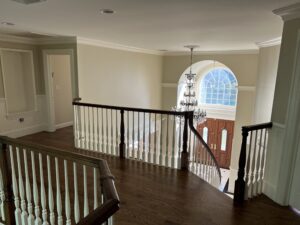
[60, 67]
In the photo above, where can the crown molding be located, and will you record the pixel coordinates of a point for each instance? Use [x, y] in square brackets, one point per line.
[288, 12]
[37, 41]
[221, 52]
[16, 39]
[93, 42]
[269, 43]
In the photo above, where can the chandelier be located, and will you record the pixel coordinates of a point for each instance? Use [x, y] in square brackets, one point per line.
[189, 101]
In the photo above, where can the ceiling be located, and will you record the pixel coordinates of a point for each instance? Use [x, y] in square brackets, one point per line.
[153, 24]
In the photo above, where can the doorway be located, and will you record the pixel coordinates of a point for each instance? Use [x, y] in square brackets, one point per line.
[59, 77]
[218, 134]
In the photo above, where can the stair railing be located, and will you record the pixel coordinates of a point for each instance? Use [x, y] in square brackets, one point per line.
[251, 162]
[43, 185]
[165, 138]
[202, 161]
[148, 135]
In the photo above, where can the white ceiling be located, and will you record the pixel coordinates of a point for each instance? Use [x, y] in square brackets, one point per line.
[154, 24]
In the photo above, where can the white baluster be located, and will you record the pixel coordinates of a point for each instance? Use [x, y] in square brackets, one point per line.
[67, 195]
[50, 193]
[2, 198]
[95, 189]
[263, 161]
[76, 201]
[58, 195]
[86, 201]
[28, 191]
[43, 192]
[15, 189]
[38, 220]
[252, 177]
[21, 189]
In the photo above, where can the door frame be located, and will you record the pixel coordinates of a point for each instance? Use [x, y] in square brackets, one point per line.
[49, 82]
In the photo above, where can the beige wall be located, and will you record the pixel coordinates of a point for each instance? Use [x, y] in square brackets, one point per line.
[266, 79]
[116, 77]
[60, 66]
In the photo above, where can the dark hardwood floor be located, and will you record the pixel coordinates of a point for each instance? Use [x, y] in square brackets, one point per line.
[154, 195]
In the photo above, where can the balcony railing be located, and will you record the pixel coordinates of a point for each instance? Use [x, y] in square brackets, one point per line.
[43, 185]
[160, 137]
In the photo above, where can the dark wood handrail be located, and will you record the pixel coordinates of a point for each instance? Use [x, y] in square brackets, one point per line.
[110, 195]
[257, 126]
[52, 151]
[196, 133]
[130, 109]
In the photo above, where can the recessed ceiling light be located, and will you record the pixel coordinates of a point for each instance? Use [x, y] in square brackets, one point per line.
[7, 23]
[107, 11]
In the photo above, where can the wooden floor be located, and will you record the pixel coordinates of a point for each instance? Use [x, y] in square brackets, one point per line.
[153, 195]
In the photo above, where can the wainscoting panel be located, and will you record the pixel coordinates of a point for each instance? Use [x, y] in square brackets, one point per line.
[33, 122]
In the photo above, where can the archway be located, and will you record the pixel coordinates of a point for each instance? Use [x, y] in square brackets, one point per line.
[216, 89]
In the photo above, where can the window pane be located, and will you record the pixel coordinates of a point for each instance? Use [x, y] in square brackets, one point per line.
[205, 134]
[219, 87]
[224, 140]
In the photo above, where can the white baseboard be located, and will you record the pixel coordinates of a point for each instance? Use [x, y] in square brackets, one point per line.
[24, 131]
[62, 125]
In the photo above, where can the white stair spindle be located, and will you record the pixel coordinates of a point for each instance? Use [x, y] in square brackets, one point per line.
[67, 195]
[38, 220]
[86, 201]
[28, 191]
[2, 198]
[15, 189]
[21, 189]
[95, 189]
[76, 201]
[50, 193]
[43, 192]
[58, 195]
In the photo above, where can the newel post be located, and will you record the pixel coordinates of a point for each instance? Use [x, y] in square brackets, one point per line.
[184, 153]
[7, 186]
[239, 187]
[122, 136]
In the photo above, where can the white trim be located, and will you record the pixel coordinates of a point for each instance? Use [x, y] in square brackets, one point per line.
[24, 131]
[279, 125]
[99, 43]
[169, 85]
[62, 125]
[49, 82]
[289, 12]
[37, 41]
[215, 52]
[16, 39]
[246, 88]
[269, 43]
[269, 189]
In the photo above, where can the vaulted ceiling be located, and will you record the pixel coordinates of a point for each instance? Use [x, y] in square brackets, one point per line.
[153, 24]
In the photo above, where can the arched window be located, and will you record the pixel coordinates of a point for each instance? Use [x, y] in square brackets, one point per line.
[219, 86]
